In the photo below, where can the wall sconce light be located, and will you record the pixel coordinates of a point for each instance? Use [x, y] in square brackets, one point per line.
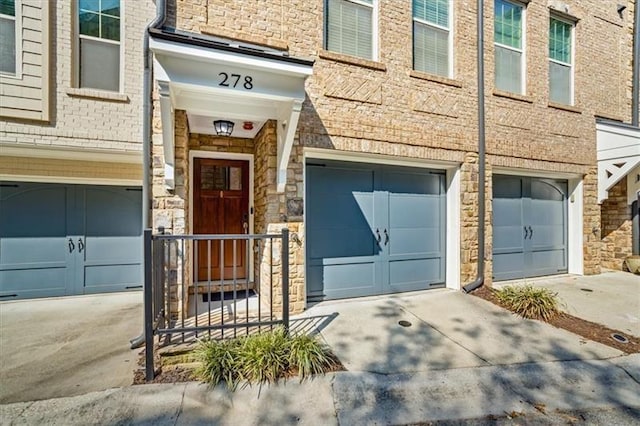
[223, 127]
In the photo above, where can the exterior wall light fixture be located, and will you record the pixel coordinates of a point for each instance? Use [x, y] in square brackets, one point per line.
[223, 127]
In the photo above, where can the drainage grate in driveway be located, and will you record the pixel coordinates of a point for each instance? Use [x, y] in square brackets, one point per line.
[619, 338]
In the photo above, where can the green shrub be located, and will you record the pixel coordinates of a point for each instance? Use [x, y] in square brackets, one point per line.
[219, 362]
[309, 356]
[261, 358]
[529, 301]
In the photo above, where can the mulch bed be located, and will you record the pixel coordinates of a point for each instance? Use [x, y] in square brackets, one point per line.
[185, 372]
[587, 329]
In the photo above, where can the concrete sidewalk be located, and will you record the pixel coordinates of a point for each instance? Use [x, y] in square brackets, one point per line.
[359, 398]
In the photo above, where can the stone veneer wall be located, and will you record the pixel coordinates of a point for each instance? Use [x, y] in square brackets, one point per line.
[273, 212]
[616, 227]
[469, 221]
[591, 225]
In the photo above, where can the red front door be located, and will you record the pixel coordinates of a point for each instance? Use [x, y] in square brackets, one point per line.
[221, 206]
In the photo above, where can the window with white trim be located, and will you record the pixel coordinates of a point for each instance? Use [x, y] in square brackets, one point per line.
[508, 37]
[99, 44]
[350, 27]
[560, 61]
[8, 26]
[432, 36]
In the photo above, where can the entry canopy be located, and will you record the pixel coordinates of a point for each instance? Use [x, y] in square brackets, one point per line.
[225, 79]
[618, 157]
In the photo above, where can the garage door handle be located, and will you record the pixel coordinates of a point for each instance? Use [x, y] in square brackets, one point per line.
[526, 233]
[378, 234]
[71, 246]
[386, 237]
[80, 245]
[530, 232]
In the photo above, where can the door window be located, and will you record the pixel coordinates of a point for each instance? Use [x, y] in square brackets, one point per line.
[220, 178]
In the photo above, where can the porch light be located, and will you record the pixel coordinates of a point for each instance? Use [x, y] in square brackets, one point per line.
[223, 127]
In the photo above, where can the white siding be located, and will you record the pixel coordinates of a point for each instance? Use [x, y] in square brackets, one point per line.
[26, 96]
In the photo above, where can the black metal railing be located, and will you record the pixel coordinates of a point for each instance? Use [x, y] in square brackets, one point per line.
[213, 286]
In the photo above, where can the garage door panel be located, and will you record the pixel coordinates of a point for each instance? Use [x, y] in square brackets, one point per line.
[33, 250]
[352, 211]
[409, 241]
[548, 236]
[105, 250]
[508, 238]
[330, 180]
[106, 278]
[112, 256]
[548, 190]
[508, 266]
[49, 234]
[413, 181]
[508, 187]
[529, 227]
[415, 274]
[339, 243]
[112, 212]
[347, 211]
[41, 282]
[549, 261]
[34, 253]
[344, 280]
[547, 212]
[403, 208]
[415, 251]
[29, 210]
[507, 212]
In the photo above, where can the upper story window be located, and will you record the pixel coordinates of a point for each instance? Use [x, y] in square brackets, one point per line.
[8, 37]
[350, 28]
[508, 37]
[99, 44]
[560, 61]
[432, 36]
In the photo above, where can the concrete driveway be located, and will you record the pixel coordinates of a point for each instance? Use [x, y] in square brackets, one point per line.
[611, 298]
[59, 347]
[449, 330]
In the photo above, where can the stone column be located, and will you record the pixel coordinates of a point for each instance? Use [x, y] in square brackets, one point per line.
[469, 221]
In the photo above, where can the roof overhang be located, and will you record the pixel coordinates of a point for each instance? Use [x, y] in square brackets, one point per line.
[206, 77]
[618, 157]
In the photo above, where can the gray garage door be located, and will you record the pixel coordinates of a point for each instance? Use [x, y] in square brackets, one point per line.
[529, 227]
[373, 229]
[60, 240]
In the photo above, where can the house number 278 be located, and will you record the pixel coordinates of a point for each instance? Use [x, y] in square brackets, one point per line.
[232, 80]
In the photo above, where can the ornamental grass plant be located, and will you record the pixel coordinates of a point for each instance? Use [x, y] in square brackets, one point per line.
[529, 301]
[261, 358]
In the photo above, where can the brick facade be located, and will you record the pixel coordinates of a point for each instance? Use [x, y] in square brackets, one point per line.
[106, 124]
[385, 108]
